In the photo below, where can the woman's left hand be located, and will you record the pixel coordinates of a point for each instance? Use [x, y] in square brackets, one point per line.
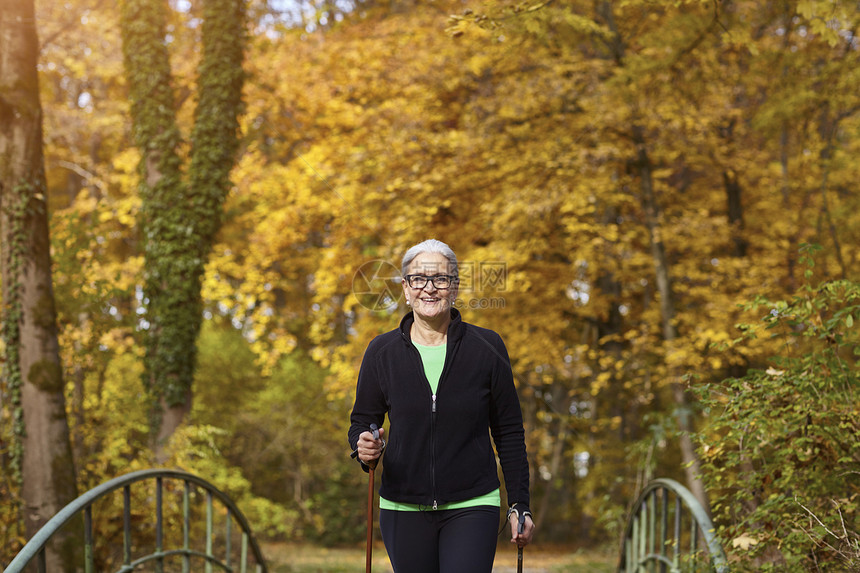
[524, 538]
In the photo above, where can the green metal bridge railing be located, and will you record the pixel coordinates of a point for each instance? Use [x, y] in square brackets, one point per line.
[650, 545]
[34, 550]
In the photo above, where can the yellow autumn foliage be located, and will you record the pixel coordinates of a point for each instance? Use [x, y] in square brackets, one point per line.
[511, 139]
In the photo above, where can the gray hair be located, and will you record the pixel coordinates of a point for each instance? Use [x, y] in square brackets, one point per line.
[430, 246]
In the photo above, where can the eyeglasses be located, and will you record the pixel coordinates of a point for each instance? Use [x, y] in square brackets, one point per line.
[439, 281]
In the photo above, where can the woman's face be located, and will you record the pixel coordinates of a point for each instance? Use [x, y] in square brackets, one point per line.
[429, 301]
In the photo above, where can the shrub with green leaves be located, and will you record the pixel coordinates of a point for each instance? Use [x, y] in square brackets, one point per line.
[781, 451]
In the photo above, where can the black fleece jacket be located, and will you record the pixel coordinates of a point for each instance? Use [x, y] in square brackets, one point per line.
[439, 447]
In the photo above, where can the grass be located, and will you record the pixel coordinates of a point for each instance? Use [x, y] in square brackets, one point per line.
[305, 558]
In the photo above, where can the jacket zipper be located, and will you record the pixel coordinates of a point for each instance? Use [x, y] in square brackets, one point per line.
[433, 449]
[432, 423]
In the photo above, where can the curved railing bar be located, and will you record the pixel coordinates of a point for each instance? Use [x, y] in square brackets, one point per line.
[183, 552]
[40, 539]
[656, 557]
[700, 516]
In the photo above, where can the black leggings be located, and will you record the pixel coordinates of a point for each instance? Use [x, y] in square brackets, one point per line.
[446, 541]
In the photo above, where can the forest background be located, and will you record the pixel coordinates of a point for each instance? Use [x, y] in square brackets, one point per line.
[653, 203]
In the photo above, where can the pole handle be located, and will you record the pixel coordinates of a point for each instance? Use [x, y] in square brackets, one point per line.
[372, 463]
[521, 525]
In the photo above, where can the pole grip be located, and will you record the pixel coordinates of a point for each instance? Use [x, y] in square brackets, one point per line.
[521, 525]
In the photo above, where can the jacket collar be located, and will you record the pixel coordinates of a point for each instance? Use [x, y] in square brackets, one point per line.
[455, 327]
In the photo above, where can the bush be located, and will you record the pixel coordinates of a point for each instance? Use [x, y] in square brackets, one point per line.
[781, 454]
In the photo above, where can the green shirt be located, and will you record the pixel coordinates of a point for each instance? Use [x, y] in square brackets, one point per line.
[433, 359]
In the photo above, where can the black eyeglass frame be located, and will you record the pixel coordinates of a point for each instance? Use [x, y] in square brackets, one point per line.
[452, 280]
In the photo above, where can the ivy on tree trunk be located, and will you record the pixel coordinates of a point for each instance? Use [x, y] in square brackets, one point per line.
[41, 455]
[180, 215]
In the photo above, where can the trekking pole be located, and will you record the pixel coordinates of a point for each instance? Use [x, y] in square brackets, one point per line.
[520, 526]
[372, 465]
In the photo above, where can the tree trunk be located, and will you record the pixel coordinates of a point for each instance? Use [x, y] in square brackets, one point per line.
[559, 442]
[180, 217]
[651, 209]
[32, 373]
[171, 417]
[642, 166]
[734, 208]
[827, 129]
[153, 114]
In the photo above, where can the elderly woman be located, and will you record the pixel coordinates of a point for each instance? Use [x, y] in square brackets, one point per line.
[443, 384]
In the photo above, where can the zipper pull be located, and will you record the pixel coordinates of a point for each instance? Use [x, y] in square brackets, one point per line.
[434, 410]
[435, 505]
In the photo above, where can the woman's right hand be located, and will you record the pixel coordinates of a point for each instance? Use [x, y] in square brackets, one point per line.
[370, 449]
